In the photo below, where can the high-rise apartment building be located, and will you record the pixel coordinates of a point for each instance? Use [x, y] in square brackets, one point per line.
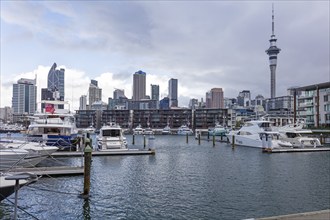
[83, 102]
[272, 53]
[244, 98]
[217, 99]
[173, 92]
[94, 93]
[24, 96]
[119, 93]
[139, 85]
[155, 92]
[55, 81]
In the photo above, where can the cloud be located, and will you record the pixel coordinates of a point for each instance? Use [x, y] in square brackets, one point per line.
[202, 44]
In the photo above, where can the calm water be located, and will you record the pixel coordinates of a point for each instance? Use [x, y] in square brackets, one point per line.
[184, 181]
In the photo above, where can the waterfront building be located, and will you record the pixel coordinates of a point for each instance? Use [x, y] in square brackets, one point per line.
[217, 100]
[173, 92]
[313, 104]
[24, 99]
[85, 118]
[94, 93]
[83, 102]
[206, 118]
[139, 85]
[230, 103]
[142, 104]
[272, 52]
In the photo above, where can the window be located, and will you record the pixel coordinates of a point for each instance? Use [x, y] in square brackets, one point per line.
[326, 98]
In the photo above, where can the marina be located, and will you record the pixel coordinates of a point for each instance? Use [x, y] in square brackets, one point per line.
[183, 180]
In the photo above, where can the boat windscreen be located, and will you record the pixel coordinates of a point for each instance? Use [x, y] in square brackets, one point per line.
[111, 133]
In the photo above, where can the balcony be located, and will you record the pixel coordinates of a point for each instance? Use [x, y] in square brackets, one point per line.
[306, 104]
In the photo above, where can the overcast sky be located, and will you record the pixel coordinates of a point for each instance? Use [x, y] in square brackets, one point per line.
[203, 44]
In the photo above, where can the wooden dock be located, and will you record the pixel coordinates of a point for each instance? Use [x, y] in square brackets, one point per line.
[294, 150]
[104, 153]
[51, 171]
[316, 215]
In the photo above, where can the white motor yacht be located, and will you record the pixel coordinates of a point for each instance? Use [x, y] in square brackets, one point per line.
[138, 130]
[166, 130]
[298, 137]
[257, 134]
[184, 130]
[111, 138]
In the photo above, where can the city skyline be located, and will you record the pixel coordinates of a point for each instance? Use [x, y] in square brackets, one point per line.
[213, 44]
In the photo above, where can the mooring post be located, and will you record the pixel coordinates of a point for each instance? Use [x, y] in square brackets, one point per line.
[199, 138]
[87, 168]
[187, 138]
[321, 139]
[133, 139]
[144, 141]
[233, 141]
[208, 135]
[213, 140]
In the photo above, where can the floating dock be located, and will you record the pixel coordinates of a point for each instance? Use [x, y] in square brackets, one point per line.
[294, 150]
[317, 215]
[104, 153]
[51, 171]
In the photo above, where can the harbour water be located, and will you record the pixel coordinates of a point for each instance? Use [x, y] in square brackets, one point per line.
[183, 181]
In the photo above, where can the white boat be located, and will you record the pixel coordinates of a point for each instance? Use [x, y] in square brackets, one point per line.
[10, 158]
[7, 186]
[56, 126]
[257, 134]
[184, 130]
[148, 131]
[111, 138]
[138, 130]
[166, 130]
[298, 137]
[218, 130]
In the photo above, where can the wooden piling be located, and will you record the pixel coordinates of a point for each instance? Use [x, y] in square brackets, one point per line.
[213, 140]
[199, 138]
[87, 170]
[233, 141]
[133, 139]
[144, 141]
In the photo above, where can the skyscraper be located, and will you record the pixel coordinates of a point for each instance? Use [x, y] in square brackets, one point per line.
[24, 96]
[139, 85]
[272, 53]
[217, 100]
[173, 92]
[119, 93]
[56, 80]
[83, 102]
[155, 92]
[94, 93]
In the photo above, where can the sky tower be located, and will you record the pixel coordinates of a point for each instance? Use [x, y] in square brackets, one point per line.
[272, 53]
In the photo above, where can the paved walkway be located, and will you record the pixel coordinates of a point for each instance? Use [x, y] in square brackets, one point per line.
[318, 215]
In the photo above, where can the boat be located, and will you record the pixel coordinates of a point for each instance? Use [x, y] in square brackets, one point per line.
[184, 130]
[257, 134]
[8, 182]
[10, 158]
[111, 138]
[148, 131]
[37, 152]
[55, 126]
[166, 130]
[298, 137]
[138, 130]
[218, 130]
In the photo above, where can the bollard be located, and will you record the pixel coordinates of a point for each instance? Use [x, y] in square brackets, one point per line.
[187, 138]
[233, 141]
[87, 169]
[144, 141]
[199, 138]
[221, 136]
[133, 139]
[321, 139]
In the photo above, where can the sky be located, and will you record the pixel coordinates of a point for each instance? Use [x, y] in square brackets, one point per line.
[203, 44]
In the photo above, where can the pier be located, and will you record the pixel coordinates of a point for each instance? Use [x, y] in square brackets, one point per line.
[51, 171]
[104, 153]
[317, 215]
[294, 150]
